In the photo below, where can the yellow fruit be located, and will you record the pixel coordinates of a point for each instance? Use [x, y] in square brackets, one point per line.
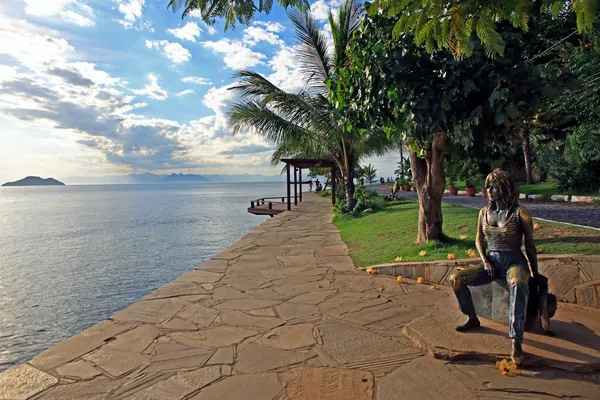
[380, 288]
[463, 237]
[434, 287]
[400, 279]
[450, 256]
[507, 368]
[536, 226]
[420, 280]
[398, 259]
[422, 253]
[370, 271]
[319, 286]
[471, 253]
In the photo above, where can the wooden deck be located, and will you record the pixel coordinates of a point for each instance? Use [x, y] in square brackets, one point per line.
[268, 206]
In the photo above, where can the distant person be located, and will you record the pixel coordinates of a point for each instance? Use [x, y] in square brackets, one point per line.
[318, 186]
[381, 181]
[310, 185]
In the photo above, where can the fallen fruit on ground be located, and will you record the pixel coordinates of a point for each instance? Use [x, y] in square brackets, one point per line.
[450, 256]
[471, 253]
[380, 288]
[422, 253]
[370, 271]
[420, 280]
[398, 259]
[400, 279]
[507, 368]
[463, 237]
[433, 287]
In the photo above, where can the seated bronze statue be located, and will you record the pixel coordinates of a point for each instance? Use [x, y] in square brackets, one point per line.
[502, 225]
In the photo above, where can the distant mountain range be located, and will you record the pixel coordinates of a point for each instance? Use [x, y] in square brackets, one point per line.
[35, 181]
[150, 178]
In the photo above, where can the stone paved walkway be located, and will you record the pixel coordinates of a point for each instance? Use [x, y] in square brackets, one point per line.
[579, 214]
[283, 314]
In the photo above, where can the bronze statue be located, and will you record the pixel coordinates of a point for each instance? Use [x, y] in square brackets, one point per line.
[503, 225]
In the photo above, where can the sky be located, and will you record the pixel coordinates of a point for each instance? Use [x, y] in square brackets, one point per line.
[110, 87]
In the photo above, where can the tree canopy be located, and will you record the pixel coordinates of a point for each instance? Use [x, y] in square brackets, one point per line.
[450, 24]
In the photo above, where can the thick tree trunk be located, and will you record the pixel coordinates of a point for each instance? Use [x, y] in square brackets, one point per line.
[526, 155]
[430, 181]
[401, 160]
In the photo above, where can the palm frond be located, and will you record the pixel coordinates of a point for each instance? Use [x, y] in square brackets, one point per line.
[343, 25]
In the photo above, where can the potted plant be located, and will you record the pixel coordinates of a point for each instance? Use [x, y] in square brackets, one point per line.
[453, 190]
[470, 187]
[409, 185]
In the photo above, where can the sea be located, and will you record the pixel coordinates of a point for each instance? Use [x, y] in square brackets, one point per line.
[71, 256]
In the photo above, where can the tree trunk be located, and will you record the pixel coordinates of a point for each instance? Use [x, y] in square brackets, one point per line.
[526, 156]
[401, 160]
[430, 181]
[349, 184]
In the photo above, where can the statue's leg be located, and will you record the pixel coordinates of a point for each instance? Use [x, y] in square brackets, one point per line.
[517, 278]
[460, 281]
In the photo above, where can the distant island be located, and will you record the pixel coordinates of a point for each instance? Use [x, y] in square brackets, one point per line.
[147, 177]
[35, 181]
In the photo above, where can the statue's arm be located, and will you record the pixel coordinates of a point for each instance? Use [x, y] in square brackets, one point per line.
[527, 224]
[480, 239]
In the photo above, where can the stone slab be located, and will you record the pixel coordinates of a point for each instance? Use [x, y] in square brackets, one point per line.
[198, 314]
[116, 362]
[328, 383]
[178, 324]
[78, 370]
[243, 387]
[219, 336]
[179, 385]
[582, 199]
[315, 298]
[136, 340]
[543, 382]
[238, 318]
[24, 381]
[289, 310]
[561, 279]
[347, 344]
[575, 348]
[224, 355]
[176, 289]
[96, 389]
[228, 293]
[150, 311]
[200, 276]
[422, 379]
[182, 358]
[253, 358]
[289, 337]
[246, 304]
[78, 345]
[492, 301]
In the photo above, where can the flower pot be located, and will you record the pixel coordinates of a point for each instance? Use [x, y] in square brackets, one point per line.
[453, 190]
[470, 191]
[413, 189]
[483, 193]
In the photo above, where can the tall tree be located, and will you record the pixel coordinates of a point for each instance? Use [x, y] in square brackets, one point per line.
[431, 99]
[231, 11]
[370, 172]
[304, 122]
[449, 24]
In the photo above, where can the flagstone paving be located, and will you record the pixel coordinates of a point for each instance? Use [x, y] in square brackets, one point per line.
[283, 314]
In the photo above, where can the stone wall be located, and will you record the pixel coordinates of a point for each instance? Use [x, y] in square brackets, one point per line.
[572, 278]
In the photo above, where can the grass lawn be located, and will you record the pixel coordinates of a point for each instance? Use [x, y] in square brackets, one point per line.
[391, 231]
[543, 188]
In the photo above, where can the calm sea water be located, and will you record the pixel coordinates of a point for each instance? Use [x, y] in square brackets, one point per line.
[71, 256]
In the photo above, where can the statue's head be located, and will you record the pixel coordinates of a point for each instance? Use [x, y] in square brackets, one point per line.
[500, 186]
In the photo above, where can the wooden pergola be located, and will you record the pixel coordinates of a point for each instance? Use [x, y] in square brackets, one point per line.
[303, 163]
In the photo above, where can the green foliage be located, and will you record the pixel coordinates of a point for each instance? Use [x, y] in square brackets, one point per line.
[364, 199]
[579, 167]
[380, 237]
[451, 24]
[231, 11]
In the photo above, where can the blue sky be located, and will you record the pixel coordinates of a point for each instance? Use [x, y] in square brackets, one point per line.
[101, 87]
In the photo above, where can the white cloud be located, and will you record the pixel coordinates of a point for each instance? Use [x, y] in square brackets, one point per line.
[7, 72]
[254, 34]
[320, 9]
[235, 54]
[70, 11]
[286, 74]
[197, 80]
[140, 105]
[211, 30]
[184, 92]
[131, 10]
[189, 31]
[270, 26]
[173, 51]
[152, 89]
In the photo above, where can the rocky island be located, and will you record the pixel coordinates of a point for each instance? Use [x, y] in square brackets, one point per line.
[35, 181]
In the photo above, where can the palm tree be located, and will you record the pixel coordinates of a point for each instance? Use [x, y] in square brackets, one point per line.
[370, 172]
[232, 11]
[303, 124]
[359, 175]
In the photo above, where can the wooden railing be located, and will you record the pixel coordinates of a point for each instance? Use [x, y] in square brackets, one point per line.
[261, 201]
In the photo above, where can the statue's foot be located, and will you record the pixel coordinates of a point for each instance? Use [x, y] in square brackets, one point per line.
[472, 323]
[516, 353]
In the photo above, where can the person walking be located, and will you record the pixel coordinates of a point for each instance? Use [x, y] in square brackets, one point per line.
[310, 185]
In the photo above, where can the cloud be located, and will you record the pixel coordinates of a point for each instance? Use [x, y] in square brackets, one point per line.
[173, 51]
[131, 10]
[287, 73]
[152, 89]
[270, 26]
[189, 31]
[320, 10]
[235, 54]
[246, 149]
[70, 11]
[254, 34]
[197, 80]
[7, 72]
[184, 92]
[140, 105]
[73, 77]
